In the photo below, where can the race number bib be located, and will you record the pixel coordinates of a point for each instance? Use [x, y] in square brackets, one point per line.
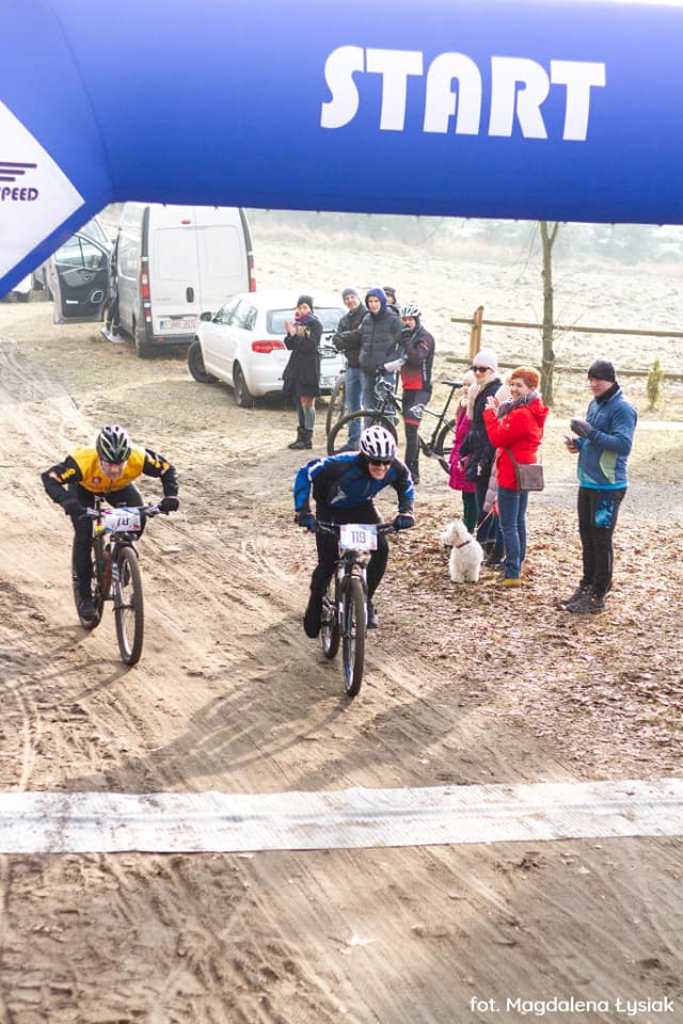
[358, 537]
[122, 520]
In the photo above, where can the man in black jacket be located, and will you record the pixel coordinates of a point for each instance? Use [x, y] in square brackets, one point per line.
[347, 340]
[416, 377]
[380, 349]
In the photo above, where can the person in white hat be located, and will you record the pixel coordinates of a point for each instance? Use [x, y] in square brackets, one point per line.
[476, 448]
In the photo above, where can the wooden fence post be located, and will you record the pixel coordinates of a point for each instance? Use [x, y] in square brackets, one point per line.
[475, 332]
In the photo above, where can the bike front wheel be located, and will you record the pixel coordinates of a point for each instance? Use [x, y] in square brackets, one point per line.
[128, 607]
[353, 635]
[329, 629]
[97, 568]
[336, 439]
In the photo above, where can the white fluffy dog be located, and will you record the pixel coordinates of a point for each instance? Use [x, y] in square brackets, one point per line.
[464, 561]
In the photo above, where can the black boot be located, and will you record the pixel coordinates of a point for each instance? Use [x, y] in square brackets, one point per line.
[299, 443]
[307, 438]
[313, 615]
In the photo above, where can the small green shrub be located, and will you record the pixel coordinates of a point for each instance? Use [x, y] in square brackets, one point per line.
[654, 384]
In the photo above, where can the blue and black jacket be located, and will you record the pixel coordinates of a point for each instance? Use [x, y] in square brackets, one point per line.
[604, 453]
[342, 482]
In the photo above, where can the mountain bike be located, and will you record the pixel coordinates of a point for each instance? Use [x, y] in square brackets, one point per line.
[344, 614]
[116, 573]
[438, 445]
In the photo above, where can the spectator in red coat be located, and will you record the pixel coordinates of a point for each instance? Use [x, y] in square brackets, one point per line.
[517, 427]
[457, 479]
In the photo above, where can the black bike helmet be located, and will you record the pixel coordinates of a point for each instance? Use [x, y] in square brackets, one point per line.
[113, 444]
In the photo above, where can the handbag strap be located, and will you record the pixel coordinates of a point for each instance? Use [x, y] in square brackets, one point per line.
[516, 464]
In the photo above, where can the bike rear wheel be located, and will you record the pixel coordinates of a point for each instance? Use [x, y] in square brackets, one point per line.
[97, 564]
[335, 409]
[128, 607]
[443, 446]
[329, 630]
[353, 635]
[336, 439]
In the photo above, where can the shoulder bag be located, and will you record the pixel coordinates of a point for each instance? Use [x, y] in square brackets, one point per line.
[529, 475]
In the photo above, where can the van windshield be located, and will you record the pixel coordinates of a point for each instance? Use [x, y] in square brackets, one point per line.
[328, 316]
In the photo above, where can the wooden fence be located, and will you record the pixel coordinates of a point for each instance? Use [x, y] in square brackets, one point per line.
[476, 323]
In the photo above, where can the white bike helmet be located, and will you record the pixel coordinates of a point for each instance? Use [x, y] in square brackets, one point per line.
[410, 309]
[377, 444]
[113, 444]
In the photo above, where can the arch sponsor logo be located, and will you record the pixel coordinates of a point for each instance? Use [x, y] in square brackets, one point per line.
[15, 171]
[454, 92]
[36, 197]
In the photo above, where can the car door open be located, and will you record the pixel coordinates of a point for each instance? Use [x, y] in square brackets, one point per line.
[78, 277]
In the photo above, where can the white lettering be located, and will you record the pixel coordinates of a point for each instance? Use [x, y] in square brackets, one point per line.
[441, 100]
[394, 66]
[506, 74]
[579, 77]
[519, 88]
[339, 69]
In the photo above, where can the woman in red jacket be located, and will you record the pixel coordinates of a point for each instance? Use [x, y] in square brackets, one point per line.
[517, 427]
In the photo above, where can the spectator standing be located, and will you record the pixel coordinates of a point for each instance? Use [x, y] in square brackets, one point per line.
[603, 442]
[301, 377]
[416, 378]
[476, 444]
[380, 344]
[516, 429]
[392, 301]
[457, 479]
[347, 340]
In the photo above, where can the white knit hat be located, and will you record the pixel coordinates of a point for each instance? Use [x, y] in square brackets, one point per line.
[488, 358]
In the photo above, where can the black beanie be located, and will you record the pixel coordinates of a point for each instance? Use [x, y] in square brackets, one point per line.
[602, 369]
[308, 299]
[350, 291]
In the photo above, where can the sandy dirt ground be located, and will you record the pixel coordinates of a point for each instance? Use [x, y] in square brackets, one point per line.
[461, 688]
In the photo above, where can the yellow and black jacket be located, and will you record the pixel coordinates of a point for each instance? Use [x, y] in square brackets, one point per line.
[83, 468]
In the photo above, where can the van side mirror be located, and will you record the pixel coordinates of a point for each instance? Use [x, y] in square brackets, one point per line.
[206, 316]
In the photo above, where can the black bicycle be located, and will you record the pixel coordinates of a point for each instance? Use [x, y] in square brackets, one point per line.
[116, 573]
[344, 614]
[438, 445]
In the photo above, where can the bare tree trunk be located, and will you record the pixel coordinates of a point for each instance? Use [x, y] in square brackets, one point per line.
[548, 236]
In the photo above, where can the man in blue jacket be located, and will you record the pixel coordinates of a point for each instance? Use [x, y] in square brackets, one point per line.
[603, 443]
[343, 487]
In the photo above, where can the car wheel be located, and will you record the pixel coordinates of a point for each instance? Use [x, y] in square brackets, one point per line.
[195, 363]
[241, 393]
[142, 346]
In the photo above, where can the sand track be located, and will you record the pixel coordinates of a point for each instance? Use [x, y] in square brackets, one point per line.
[230, 696]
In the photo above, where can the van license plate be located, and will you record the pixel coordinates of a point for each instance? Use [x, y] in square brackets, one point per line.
[183, 323]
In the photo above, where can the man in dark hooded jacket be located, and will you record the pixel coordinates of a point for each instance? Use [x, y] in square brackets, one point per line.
[380, 345]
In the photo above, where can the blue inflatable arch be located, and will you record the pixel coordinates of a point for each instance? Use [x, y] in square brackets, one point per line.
[475, 108]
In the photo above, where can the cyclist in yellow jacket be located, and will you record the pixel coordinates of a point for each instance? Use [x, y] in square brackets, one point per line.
[109, 470]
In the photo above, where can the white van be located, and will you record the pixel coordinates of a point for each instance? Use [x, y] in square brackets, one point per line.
[169, 264]
[172, 263]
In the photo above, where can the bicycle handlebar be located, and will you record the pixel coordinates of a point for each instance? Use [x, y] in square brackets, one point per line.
[333, 528]
[149, 511]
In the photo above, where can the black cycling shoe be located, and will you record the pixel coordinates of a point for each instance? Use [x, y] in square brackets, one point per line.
[373, 621]
[313, 616]
[87, 609]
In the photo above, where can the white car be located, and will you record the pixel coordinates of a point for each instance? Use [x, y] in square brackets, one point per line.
[243, 343]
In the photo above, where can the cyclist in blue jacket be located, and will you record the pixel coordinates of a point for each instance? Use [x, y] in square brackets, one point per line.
[343, 489]
[603, 442]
